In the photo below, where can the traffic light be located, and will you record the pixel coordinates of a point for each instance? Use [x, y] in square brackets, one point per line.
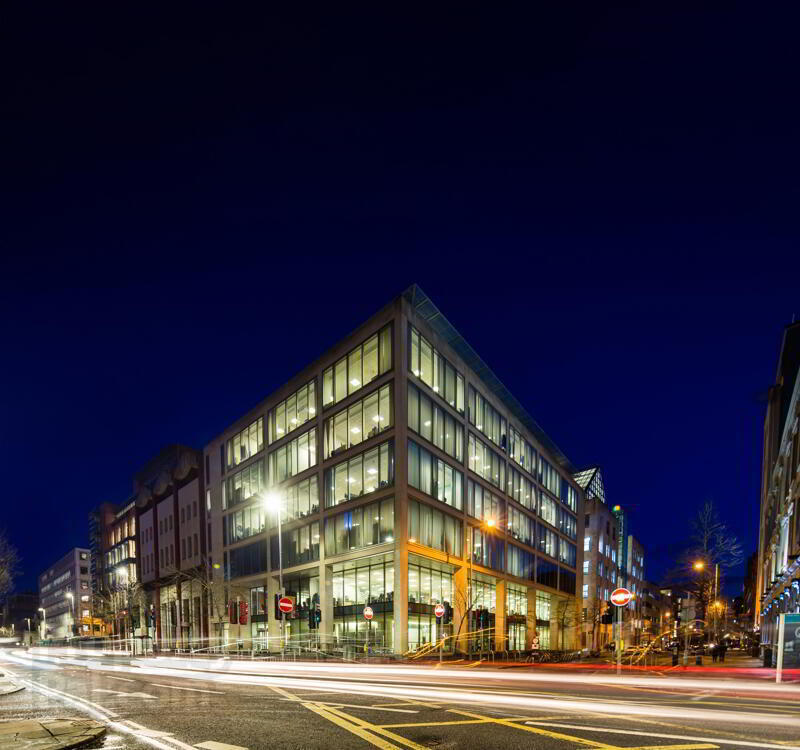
[448, 614]
[233, 614]
[312, 619]
[317, 614]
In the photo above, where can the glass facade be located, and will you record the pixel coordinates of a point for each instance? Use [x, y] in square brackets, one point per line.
[434, 477]
[434, 528]
[429, 584]
[293, 457]
[293, 412]
[360, 421]
[360, 527]
[434, 424]
[360, 475]
[300, 545]
[426, 363]
[483, 504]
[358, 368]
[521, 489]
[356, 584]
[486, 463]
[245, 444]
[244, 484]
[485, 418]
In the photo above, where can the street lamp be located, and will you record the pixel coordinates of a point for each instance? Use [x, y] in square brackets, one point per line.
[44, 622]
[489, 524]
[272, 504]
[71, 597]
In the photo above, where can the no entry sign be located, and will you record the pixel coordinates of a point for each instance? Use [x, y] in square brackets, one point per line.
[438, 610]
[367, 613]
[286, 605]
[620, 597]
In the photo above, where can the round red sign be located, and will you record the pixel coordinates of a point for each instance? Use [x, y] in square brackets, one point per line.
[285, 605]
[367, 613]
[438, 610]
[620, 597]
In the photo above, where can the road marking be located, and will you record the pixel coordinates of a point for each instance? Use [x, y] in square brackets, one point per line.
[352, 728]
[465, 721]
[715, 740]
[374, 728]
[545, 732]
[408, 703]
[194, 690]
[706, 694]
[127, 695]
[211, 745]
[124, 679]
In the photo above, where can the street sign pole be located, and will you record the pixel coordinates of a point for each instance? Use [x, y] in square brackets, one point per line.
[619, 641]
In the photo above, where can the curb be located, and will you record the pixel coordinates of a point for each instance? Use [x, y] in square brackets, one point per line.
[49, 734]
[7, 687]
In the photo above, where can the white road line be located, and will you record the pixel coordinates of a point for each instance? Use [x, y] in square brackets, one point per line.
[211, 745]
[715, 740]
[124, 679]
[194, 690]
[137, 694]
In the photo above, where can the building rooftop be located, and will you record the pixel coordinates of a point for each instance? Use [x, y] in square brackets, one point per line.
[591, 482]
[431, 314]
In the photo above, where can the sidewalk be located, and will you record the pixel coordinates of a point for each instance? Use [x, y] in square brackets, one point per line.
[48, 734]
[7, 686]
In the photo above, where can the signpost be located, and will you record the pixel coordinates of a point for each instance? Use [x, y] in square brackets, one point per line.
[286, 605]
[438, 610]
[368, 615]
[620, 598]
[788, 643]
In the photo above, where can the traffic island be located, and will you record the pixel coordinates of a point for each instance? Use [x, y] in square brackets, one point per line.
[49, 734]
[7, 686]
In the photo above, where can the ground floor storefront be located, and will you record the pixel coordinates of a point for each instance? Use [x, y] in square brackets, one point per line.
[389, 602]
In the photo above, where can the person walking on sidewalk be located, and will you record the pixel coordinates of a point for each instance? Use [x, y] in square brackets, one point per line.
[714, 653]
[722, 649]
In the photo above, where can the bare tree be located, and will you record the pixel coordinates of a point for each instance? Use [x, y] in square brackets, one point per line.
[9, 564]
[594, 611]
[568, 615]
[712, 549]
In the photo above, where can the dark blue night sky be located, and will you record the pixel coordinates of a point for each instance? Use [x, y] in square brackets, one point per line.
[198, 200]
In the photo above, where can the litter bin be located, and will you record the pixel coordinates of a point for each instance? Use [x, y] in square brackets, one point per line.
[767, 656]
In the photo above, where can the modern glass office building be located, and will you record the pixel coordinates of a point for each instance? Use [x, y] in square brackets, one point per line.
[408, 476]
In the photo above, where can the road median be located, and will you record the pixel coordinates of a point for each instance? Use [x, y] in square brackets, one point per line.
[49, 734]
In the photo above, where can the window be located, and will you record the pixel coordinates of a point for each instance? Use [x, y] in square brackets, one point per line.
[245, 444]
[486, 463]
[244, 484]
[293, 412]
[293, 457]
[485, 418]
[569, 495]
[434, 370]
[360, 421]
[244, 523]
[298, 501]
[521, 451]
[434, 477]
[547, 509]
[483, 504]
[360, 475]
[567, 524]
[586, 567]
[434, 423]
[248, 560]
[519, 563]
[521, 527]
[521, 489]
[548, 541]
[487, 549]
[587, 543]
[84, 556]
[300, 545]
[567, 553]
[547, 575]
[433, 528]
[549, 478]
[360, 527]
[566, 581]
[585, 590]
[358, 368]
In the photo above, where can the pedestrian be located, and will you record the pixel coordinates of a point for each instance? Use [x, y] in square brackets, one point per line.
[722, 649]
[714, 653]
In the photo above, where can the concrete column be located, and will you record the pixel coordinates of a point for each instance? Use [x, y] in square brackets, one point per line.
[530, 620]
[400, 613]
[460, 606]
[326, 603]
[500, 638]
[400, 589]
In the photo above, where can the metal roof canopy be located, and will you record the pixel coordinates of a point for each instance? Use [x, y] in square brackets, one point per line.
[424, 307]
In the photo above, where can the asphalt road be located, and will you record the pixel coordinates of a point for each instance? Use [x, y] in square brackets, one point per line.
[149, 704]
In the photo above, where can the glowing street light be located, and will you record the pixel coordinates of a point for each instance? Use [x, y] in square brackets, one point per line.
[699, 565]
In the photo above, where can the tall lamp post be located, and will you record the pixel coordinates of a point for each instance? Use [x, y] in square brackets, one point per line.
[272, 503]
[44, 622]
[71, 598]
[488, 524]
